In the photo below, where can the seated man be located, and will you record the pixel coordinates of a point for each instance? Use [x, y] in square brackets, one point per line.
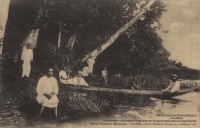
[85, 71]
[79, 81]
[47, 90]
[64, 75]
[135, 84]
[174, 84]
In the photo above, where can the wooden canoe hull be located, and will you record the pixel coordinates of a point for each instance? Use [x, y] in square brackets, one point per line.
[129, 92]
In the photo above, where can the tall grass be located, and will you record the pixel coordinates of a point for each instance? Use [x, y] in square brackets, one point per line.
[149, 82]
[145, 82]
[190, 83]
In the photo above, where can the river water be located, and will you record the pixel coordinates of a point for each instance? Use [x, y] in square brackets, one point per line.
[181, 111]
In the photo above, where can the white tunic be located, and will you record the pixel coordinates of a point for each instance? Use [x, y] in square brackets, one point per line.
[85, 71]
[79, 81]
[48, 86]
[27, 57]
[91, 62]
[64, 75]
[104, 74]
[174, 86]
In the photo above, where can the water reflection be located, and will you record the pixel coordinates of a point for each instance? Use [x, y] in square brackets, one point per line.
[187, 104]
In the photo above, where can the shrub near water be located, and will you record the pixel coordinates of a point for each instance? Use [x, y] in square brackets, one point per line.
[190, 83]
[146, 81]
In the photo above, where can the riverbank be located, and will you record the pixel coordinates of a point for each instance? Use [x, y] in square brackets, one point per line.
[20, 109]
[180, 112]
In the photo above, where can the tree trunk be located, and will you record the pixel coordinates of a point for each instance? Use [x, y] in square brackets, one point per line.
[32, 38]
[111, 40]
[4, 9]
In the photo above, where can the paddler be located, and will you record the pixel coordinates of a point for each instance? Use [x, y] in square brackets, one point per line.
[174, 84]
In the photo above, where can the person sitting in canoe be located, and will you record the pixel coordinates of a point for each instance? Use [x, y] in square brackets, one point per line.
[174, 84]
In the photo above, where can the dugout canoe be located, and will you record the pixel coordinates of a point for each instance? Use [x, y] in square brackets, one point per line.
[129, 92]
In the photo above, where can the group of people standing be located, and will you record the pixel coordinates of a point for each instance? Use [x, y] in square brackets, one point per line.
[64, 74]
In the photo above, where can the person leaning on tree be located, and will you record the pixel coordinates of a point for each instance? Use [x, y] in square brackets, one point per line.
[27, 58]
[91, 62]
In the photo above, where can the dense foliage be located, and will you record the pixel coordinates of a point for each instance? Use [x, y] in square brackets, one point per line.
[139, 49]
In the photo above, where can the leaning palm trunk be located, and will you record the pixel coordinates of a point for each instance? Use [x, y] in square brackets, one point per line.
[4, 9]
[111, 40]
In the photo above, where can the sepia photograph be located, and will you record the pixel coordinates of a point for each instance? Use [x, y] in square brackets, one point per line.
[99, 63]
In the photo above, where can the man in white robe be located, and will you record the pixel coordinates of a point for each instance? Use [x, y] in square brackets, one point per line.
[27, 58]
[79, 80]
[91, 62]
[104, 75]
[85, 71]
[64, 75]
[47, 90]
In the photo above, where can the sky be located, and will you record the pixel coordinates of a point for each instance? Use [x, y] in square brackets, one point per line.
[182, 20]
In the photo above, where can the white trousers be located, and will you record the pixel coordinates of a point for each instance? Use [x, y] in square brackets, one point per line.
[91, 68]
[26, 69]
[50, 103]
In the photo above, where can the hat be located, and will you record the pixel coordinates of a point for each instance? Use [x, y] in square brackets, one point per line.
[50, 70]
[79, 72]
[174, 75]
[65, 67]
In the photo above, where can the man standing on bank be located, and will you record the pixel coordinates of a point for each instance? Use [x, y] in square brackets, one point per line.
[104, 75]
[27, 58]
[47, 90]
[90, 63]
